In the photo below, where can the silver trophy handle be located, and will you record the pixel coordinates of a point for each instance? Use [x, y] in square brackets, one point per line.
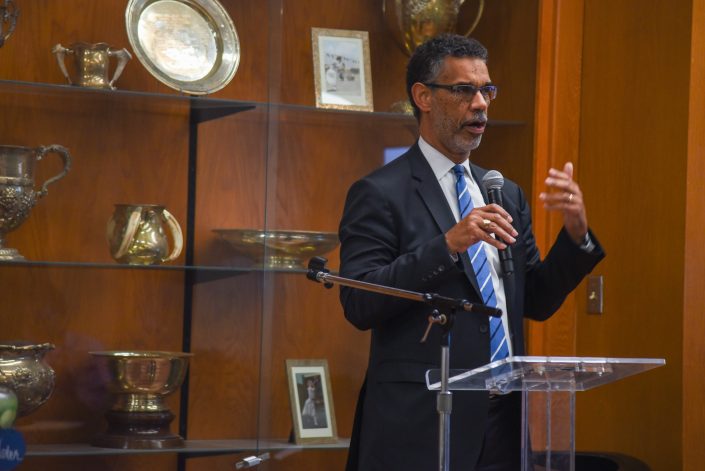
[123, 55]
[130, 229]
[60, 52]
[176, 234]
[9, 14]
[65, 157]
[478, 15]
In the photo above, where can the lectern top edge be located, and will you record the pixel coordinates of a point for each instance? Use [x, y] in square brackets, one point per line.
[544, 373]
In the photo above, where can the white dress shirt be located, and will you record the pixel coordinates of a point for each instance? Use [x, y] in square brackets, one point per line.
[442, 167]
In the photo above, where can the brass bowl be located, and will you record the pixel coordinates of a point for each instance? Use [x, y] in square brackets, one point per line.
[280, 249]
[139, 380]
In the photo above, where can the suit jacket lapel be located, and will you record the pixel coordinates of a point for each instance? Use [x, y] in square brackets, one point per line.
[432, 195]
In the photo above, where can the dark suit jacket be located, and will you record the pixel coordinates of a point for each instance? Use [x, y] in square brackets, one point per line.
[392, 233]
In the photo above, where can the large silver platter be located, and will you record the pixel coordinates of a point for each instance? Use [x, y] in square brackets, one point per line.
[190, 45]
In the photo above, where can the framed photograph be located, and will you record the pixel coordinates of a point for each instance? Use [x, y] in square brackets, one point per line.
[311, 401]
[341, 66]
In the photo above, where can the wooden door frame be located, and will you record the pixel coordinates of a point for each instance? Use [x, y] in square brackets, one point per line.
[557, 138]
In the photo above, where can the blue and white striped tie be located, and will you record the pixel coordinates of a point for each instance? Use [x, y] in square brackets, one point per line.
[498, 338]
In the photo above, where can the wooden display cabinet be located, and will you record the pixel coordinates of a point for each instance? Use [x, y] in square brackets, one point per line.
[256, 154]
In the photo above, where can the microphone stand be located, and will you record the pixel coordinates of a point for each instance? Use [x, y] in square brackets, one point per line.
[317, 272]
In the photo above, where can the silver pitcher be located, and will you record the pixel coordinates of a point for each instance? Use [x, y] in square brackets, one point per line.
[92, 63]
[17, 193]
[136, 234]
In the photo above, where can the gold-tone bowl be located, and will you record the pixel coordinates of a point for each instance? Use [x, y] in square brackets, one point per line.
[280, 249]
[139, 380]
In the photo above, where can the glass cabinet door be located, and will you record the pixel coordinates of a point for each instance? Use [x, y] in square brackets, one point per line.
[227, 195]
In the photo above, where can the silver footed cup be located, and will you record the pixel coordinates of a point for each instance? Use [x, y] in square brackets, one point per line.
[17, 193]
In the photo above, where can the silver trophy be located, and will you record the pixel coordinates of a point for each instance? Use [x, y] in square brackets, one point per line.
[17, 193]
[413, 22]
[137, 236]
[92, 63]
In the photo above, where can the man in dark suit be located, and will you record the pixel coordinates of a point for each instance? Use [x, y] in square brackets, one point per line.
[402, 227]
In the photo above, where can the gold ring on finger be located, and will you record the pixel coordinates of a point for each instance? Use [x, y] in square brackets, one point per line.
[486, 223]
[570, 198]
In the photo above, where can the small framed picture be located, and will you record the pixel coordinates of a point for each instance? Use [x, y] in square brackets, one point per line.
[311, 401]
[341, 66]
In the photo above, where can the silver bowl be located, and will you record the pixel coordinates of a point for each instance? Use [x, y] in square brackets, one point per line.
[279, 249]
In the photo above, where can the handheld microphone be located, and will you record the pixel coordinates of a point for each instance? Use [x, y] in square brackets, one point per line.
[493, 181]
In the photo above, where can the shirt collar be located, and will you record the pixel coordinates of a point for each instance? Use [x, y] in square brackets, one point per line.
[440, 164]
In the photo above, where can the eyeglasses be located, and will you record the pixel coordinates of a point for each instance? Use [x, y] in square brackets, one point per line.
[467, 91]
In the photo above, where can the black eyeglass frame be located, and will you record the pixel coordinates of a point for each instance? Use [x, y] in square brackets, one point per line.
[488, 92]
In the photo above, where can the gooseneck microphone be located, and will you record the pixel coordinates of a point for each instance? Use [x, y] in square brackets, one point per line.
[493, 181]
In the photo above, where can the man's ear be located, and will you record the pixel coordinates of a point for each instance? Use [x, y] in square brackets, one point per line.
[422, 96]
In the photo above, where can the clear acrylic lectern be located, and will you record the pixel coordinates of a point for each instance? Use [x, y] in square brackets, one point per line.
[548, 386]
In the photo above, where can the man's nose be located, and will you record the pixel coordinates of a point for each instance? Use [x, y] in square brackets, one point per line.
[479, 102]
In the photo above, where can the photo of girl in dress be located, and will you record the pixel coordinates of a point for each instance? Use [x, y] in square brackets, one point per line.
[311, 401]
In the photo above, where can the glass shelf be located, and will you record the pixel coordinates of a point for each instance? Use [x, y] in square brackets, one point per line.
[117, 266]
[201, 273]
[191, 447]
[49, 89]
[204, 108]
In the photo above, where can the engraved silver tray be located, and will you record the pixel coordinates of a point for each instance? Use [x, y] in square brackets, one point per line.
[189, 45]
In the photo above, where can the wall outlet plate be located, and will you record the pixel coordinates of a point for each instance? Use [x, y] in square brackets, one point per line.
[594, 294]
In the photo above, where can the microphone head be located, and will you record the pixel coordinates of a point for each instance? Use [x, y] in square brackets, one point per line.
[493, 180]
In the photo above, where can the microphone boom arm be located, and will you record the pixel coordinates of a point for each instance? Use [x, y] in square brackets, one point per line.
[317, 272]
